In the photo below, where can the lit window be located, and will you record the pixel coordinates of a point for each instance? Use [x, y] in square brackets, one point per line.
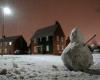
[62, 47]
[58, 47]
[10, 43]
[47, 48]
[62, 39]
[5, 50]
[35, 49]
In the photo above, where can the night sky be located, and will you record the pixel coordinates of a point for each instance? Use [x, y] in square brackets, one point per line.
[30, 15]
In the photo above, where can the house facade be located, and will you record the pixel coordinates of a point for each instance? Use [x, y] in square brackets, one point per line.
[13, 44]
[48, 40]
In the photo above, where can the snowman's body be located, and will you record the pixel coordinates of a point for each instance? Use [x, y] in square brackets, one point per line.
[77, 56]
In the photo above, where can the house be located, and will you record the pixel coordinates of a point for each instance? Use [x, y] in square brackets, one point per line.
[48, 40]
[67, 41]
[12, 45]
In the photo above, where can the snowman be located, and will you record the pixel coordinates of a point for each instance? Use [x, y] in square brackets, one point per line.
[77, 56]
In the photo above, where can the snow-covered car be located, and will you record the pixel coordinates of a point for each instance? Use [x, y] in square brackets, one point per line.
[19, 52]
[96, 50]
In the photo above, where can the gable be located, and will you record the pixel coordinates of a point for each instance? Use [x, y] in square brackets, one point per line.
[59, 31]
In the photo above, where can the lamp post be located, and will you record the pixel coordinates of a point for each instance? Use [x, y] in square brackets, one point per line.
[5, 11]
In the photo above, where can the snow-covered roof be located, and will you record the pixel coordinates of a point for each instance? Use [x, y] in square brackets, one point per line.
[47, 31]
[10, 38]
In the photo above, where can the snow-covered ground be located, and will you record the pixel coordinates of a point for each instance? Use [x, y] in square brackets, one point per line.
[41, 67]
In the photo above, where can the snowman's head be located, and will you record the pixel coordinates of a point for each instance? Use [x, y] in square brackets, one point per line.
[76, 36]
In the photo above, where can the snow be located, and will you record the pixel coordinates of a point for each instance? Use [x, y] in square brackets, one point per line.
[41, 67]
[77, 56]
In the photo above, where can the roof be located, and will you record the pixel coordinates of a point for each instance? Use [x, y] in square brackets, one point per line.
[47, 31]
[11, 38]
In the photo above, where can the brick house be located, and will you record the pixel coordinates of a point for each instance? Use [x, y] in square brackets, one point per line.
[9, 45]
[48, 40]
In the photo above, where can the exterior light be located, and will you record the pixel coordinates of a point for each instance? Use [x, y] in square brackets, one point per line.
[10, 43]
[7, 11]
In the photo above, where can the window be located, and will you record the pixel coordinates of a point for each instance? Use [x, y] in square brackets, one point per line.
[47, 48]
[47, 38]
[58, 47]
[40, 39]
[57, 38]
[0, 43]
[5, 50]
[0, 50]
[10, 43]
[35, 49]
[41, 47]
[62, 47]
[62, 39]
[6, 43]
[34, 40]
